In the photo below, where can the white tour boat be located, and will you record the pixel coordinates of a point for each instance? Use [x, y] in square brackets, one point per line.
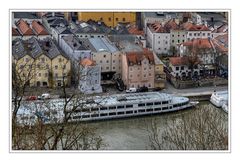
[104, 107]
[219, 98]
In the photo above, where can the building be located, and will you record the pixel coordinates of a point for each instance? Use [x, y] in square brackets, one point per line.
[158, 17]
[158, 38]
[74, 47]
[26, 16]
[27, 30]
[59, 31]
[39, 62]
[138, 69]
[207, 18]
[179, 68]
[90, 77]
[15, 34]
[194, 31]
[106, 55]
[111, 19]
[160, 76]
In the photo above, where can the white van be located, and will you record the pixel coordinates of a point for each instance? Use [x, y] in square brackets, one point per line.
[131, 90]
[45, 96]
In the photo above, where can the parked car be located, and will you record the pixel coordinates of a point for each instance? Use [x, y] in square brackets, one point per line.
[131, 90]
[31, 98]
[143, 89]
[45, 96]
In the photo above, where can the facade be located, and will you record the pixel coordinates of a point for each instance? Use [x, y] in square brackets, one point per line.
[60, 31]
[27, 30]
[74, 47]
[111, 19]
[180, 68]
[196, 31]
[158, 38]
[138, 69]
[38, 59]
[160, 76]
[90, 77]
[106, 55]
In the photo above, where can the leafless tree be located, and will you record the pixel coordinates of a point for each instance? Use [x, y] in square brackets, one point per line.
[58, 134]
[203, 130]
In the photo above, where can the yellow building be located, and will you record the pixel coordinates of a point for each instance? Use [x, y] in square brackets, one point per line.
[111, 19]
[160, 76]
[61, 67]
[40, 64]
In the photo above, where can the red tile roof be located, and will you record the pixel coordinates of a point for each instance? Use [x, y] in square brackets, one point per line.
[87, 62]
[137, 57]
[135, 31]
[38, 28]
[157, 27]
[15, 32]
[171, 24]
[192, 27]
[199, 43]
[24, 28]
[177, 61]
[221, 43]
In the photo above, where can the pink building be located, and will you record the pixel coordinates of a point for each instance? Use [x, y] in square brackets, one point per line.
[138, 69]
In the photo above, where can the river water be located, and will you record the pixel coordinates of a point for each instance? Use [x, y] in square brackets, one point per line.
[132, 134]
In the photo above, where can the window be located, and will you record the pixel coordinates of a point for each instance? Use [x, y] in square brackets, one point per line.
[178, 35]
[46, 75]
[131, 69]
[103, 114]
[148, 110]
[178, 41]
[21, 66]
[157, 109]
[129, 112]
[56, 67]
[130, 76]
[132, 85]
[203, 34]
[172, 35]
[149, 104]
[166, 42]
[109, 19]
[150, 74]
[124, 19]
[144, 75]
[113, 61]
[149, 85]
[194, 34]
[177, 68]
[112, 108]
[26, 60]
[113, 67]
[190, 34]
[59, 60]
[120, 113]
[42, 59]
[96, 81]
[129, 106]
[182, 67]
[208, 34]
[103, 108]
[107, 67]
[198, 34]
[159, 42]
[107, 61]
[141, 105]
[120, 107]
[172, 41]
[112, 113]
[157, 103]
[116, 19]
[104, 56]
[145, 68]
[64, 66]
[165, 102]
[142, 110]
[39, 74]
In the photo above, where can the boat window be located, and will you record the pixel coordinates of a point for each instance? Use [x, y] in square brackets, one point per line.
[129, 112]
[94, 109]
[76, 117]
[165, 102]
[113, 113]
[129, 106]
[85, 116]
[112, 108]
[142, 110]
[164, 108]
[94, 115]
[141, 105]
[157, 103]
[103, 114]
[157, 109]
[103, 108]
[120, 107]
[149, 104]
[120, 113]
[149, 110]
[85, 110]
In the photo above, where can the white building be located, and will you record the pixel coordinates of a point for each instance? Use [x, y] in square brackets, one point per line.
[158, 38]
[74, 47]
[90, 77]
